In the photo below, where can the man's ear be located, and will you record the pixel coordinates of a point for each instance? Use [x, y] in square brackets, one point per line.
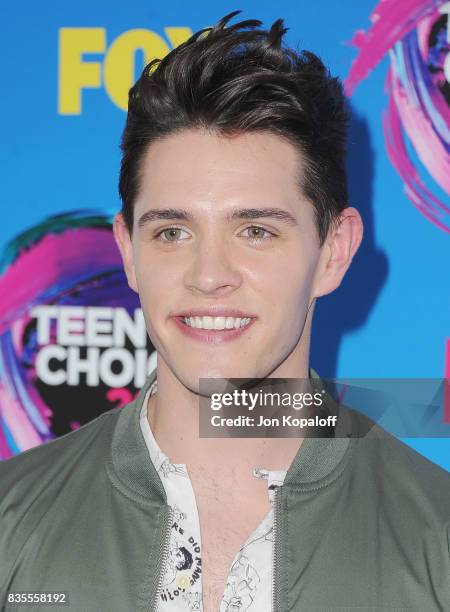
[340, 246]
[123, 241]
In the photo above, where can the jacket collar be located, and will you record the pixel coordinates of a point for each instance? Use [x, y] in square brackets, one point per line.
[129, 465]
[130, 468]
[321, 459]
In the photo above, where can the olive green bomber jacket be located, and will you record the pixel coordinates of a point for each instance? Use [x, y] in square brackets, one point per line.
[361, 522]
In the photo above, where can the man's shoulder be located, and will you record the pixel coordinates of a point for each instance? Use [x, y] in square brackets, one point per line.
[42, 463]
[400, 471]
[52, 480]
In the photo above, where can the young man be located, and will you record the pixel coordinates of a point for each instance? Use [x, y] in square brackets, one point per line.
[234, 220]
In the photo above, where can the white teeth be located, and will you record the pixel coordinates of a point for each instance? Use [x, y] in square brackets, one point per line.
[207, 323]
[216, 322]
[219, 322]
[229, 324]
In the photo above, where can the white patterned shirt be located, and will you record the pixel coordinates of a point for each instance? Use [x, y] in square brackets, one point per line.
[249, 583]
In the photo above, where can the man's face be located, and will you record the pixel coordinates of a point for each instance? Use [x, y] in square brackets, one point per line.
[220, 258]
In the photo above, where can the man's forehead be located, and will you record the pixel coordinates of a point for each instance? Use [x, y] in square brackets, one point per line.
[250, 161]
[203, 173]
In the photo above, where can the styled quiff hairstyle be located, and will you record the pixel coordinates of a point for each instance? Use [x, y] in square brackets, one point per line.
[234, 79]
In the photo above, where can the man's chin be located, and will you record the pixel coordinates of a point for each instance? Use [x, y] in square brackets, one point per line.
[199, 379]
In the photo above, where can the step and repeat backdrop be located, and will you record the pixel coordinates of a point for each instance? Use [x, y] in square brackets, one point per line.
[72, 336]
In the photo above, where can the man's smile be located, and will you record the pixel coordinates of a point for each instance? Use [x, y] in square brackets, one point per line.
[213, 329]
[217, 322]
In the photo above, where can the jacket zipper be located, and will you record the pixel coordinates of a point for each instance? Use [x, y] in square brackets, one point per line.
[164, 554]
[276, 582]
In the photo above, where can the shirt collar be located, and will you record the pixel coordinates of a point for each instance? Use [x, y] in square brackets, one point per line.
[157, 456]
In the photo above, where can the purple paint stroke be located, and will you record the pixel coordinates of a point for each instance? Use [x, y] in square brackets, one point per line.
[5, 451]
[429, 147]
[418, 193]
[416, 106]
[430, 99]
[49, 271]
[16, 419]
[391, 21]
[72, 256]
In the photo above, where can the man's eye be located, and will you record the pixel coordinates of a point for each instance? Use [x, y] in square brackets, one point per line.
[257, 233]
[170, 234]
[175, 234]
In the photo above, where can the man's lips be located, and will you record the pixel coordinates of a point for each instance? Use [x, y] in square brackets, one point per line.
[211, 336]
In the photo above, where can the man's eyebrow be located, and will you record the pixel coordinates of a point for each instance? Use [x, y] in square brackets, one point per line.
[259, 213]
[179, 214]
[158, 214]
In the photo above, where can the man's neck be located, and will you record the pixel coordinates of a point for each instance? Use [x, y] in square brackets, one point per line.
[173, 415]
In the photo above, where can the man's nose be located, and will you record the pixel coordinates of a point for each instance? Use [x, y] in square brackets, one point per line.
[212, 267]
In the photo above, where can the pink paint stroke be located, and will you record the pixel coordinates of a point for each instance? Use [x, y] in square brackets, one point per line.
[419, 194]
[56, 256]
[391, 21]
[426, 142]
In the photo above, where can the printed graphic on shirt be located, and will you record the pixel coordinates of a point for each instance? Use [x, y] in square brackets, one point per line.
[178, 515]
[259, 537]
[184, 564]
[241, 586]
[193, 601]
[172, 468]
